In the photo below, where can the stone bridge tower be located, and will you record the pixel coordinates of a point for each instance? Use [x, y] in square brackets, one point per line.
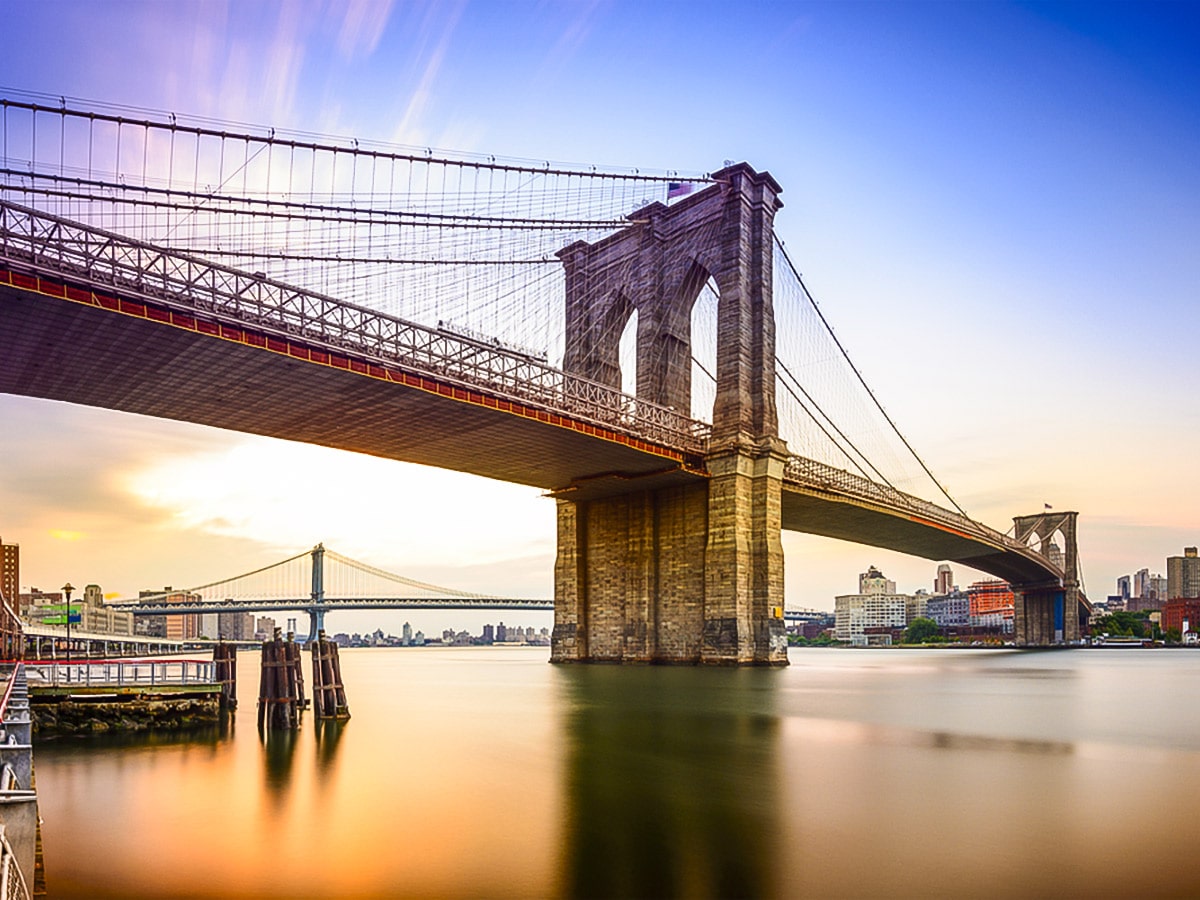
[683, 573]
[1048, 613]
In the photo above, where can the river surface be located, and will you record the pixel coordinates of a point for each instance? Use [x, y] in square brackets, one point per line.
[487, 772]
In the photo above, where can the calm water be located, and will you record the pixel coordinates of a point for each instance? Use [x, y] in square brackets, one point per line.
[490, 773]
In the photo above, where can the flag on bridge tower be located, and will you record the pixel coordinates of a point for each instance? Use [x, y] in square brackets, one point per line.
[678, 189]
[1047, 505]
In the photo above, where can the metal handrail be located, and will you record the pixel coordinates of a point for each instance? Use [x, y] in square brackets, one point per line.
[12, 879]
[53, 245]
[122, 673]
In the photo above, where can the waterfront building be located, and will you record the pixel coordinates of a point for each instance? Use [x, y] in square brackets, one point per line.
[951, 611]
[991, 604]
[1183, 575]
[943, 584]
[10, 571]
[98, 617]
[875, 607]
[95, 617]
[406, 636]
[1182, 615]
[489, 633]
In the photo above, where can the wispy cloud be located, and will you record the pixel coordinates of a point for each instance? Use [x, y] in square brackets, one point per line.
[573, 37]
[362, 26]
[433, 37]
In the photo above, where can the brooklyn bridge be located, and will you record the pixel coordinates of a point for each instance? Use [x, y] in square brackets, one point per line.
[638, 345]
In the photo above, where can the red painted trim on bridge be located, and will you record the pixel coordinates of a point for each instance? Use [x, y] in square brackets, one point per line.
[949, 529]
[137, 309]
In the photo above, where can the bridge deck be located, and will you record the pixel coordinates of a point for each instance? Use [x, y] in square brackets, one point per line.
[825, 513]
[61, 349]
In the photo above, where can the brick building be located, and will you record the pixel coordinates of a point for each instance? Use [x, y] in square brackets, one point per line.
[991, 604]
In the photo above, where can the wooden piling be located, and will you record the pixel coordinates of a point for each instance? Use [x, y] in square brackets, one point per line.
[329, 696]
[225, 664]
[281, 685]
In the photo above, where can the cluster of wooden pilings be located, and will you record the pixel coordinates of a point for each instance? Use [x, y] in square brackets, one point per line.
[225, 659]
[281, 684]
[329, 697]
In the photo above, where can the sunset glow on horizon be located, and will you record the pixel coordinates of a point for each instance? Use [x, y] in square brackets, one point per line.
[995, 205]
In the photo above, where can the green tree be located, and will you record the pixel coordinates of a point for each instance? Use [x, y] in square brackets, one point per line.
[1125, 623]
[920, 630]
[1173, 636]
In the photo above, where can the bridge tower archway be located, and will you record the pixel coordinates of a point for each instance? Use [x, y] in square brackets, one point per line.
[1049, 613]
[627, 587]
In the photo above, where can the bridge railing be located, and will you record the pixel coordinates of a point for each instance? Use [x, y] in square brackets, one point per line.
[12, 879]
[52, 245]
[121, 673]
[809, 472]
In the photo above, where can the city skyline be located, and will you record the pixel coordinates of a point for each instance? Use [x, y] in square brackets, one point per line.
[990, 202]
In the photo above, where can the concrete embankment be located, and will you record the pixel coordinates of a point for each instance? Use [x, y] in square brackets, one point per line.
[64, 711]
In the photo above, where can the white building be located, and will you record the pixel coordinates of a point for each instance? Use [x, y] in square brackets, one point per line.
[877, 605]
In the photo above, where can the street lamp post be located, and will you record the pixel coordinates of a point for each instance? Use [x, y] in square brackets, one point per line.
[67, 588]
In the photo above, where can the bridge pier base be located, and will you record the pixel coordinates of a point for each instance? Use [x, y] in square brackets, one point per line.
[690, 574]
[1044, 617]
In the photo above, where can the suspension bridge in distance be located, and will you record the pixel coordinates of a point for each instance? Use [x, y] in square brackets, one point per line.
[658, 368]
[317, 582]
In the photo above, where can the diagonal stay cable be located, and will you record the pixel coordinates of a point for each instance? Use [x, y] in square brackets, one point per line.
[833, 425]
[863, 382]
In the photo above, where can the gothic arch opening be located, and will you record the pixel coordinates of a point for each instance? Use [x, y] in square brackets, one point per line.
[627, 355]
[704, 351]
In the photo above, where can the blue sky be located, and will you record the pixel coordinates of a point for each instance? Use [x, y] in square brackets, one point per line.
[997, 206]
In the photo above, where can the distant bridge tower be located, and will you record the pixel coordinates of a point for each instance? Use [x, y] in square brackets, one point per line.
[679, 572]
[1048, 613]
[316, 614]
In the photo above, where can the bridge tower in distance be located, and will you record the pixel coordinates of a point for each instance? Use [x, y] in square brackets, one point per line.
[679, 572]
[1048, 613]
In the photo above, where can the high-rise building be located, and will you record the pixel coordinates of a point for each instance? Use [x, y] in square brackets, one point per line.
[178, 627]
[235, 626]
[1183, 575]
[10, 572]
[943, 584]
[1141, 583]
[406, 638]
[1158, 587]
[1123, 587]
